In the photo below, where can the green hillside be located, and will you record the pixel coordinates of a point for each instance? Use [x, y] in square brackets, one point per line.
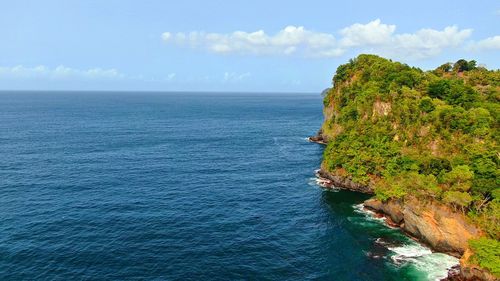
[430, 134]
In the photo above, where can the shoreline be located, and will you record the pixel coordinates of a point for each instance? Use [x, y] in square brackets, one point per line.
[391, 220]
[453, 273]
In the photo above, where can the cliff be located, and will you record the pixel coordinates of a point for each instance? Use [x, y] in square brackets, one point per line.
[433, 223]
[343, 181]
[425, 143]
[438, 226]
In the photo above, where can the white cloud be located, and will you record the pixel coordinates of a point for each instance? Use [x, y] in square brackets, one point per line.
[59, 72]
[235, 77]
[380, 38]
[426, 42]
[374, 37]
[288, 41]
[490, 43]
[372, 33]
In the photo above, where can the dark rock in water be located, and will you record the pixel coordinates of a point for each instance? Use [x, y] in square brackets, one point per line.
[345, 183]
[388, 242]
[380, 248]
[454, 274]
[317, 139]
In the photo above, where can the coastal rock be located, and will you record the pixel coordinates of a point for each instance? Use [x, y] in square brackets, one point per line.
[318, 138]
[393, 209]
[344, 182]
[432, 223]
[443, 229]
[454, 274]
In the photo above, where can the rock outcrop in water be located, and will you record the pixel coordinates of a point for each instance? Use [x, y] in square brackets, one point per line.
[318, 138]
[344, 182]
[430, 222]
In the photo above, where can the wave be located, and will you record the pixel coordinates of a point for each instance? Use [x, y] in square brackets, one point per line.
[433, 266]
[324, 182]
[408, 252]
[368, 214]
[321, 184]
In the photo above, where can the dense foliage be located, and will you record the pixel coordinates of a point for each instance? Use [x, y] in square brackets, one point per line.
[486, 254]
[430, 134]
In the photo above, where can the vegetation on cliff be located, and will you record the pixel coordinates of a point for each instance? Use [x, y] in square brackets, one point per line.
[429, 134]
[486, 253]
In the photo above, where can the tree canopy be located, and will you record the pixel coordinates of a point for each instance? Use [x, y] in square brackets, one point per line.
[431, 134]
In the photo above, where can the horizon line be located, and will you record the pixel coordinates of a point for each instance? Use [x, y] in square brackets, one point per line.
[167, 91]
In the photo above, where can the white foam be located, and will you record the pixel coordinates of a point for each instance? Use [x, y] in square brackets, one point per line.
[324, 182]
[435, 265]
[369, 214]
[409, 250]
[317, 183]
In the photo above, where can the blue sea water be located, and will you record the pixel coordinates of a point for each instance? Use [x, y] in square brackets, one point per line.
[182, 186]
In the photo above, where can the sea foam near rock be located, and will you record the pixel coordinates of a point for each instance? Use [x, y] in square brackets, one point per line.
[434, 266]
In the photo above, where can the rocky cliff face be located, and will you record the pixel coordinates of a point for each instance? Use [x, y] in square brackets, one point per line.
[344, 182]
[437, 226]
[432, 223]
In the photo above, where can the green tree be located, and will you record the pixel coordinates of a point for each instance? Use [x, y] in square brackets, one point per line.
[444, 68]
[458, 199]
[471, 65]
[486, 253]
[461, 65]
[439, 88]
[426, 105]
[459, 178]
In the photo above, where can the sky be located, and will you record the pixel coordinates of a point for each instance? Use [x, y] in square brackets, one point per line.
[230, 46]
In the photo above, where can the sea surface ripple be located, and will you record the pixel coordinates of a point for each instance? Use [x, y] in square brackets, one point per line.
[181, 186]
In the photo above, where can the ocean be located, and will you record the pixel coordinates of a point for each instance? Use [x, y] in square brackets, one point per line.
[183, 186]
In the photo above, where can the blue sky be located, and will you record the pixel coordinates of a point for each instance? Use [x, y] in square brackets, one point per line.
[284, 46]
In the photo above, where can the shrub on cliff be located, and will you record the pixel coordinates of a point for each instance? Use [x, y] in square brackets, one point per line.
[486, 254]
